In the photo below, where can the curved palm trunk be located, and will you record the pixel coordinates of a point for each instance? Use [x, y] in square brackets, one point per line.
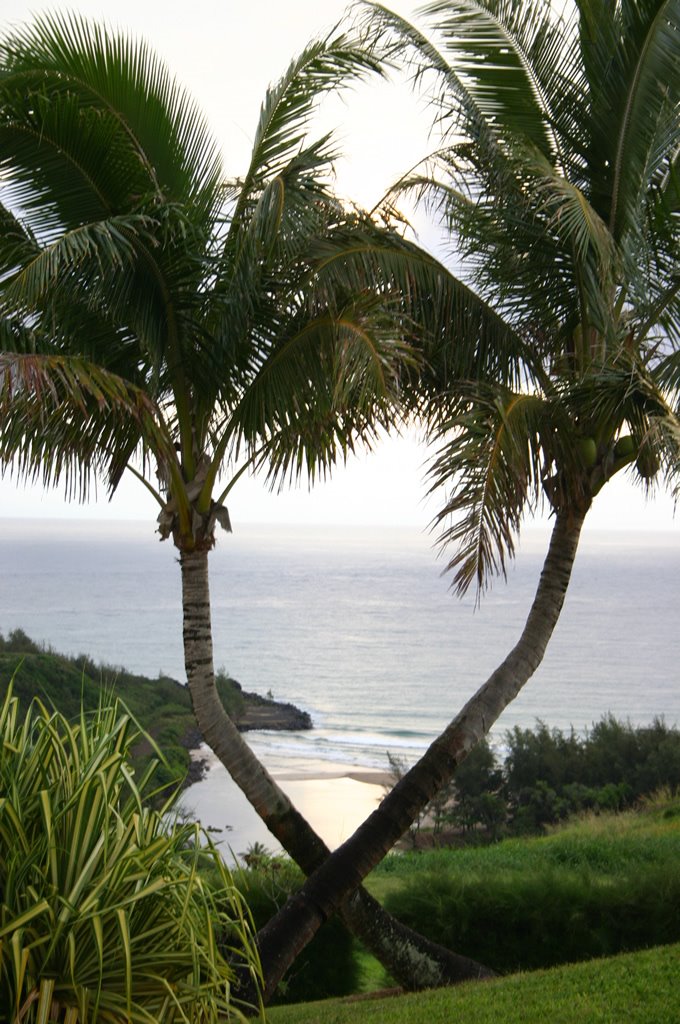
[283, 938]
[413, 960]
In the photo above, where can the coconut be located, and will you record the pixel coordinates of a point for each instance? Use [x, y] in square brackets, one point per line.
[625, 447]
[587, 450]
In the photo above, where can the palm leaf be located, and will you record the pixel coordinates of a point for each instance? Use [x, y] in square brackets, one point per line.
[649, 55]
[107, 245]
[493, 461]
[462, 336]
[17, 244]
[72, 57]
[71, 419]
[322, 67]
[491, 44]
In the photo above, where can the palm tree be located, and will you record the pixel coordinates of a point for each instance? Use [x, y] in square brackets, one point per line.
[559, 183]
[156, 319]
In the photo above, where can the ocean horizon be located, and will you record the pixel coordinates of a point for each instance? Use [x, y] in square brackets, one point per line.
[357, 626]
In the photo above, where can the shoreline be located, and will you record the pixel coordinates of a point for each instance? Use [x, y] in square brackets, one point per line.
[321, 771]
[335, 798]
[367, 776]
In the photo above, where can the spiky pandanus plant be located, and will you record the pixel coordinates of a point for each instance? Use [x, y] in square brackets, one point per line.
[559, 184]
[105, 914]
[159, 320]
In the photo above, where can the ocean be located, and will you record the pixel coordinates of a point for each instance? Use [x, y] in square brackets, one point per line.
[359, 627]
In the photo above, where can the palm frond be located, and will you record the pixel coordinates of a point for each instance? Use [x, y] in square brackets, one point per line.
[433, 73]
[491, 460]
[307, 447]
[108, 246]
[17, 244]
[339, 366]
[623, 397]
[64, 55]
[492, 45]
[59, 174]
[461, 336]
[277, 220]
[572, 217]
[326, 65]
[648, 71]
[66, 420]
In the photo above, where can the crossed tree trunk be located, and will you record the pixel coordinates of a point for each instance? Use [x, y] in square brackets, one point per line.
[414, 961]
[285, 935]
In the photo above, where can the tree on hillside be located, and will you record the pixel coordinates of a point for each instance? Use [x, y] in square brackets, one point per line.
[559, 184]
[157, 319]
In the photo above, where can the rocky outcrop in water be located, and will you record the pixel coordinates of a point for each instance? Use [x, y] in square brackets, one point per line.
[266, 713]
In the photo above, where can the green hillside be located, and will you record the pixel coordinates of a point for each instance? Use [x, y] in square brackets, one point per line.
[161, 706]
[635, 988]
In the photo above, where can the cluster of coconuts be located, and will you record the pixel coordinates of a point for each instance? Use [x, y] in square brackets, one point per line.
[625, 450]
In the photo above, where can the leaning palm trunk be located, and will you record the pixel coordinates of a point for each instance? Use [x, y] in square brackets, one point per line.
[413, 960]
[283, 938]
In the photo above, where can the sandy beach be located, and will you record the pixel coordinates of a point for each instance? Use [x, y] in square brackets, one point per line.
[336, 802]
[335, 798]
[368, 776]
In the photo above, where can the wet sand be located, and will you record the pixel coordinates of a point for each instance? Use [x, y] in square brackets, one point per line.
[335, 799]
[336, 804]
[368, 776]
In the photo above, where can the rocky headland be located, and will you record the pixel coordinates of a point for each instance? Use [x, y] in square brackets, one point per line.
[266, 713]
[249, 712]
[161, 707]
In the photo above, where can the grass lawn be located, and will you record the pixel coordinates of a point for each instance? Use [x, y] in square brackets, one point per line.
[603, 843]
[635, 988]
[595, 887]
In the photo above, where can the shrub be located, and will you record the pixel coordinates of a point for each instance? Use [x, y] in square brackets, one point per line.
[542, 754]
[573, 903]
[644, 758]
[18, 642]
[104, 914]
[475, 797]
[550, 774]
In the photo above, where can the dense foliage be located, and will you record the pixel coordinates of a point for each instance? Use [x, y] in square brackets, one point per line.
[546, 775]
[104, 913]
[556, 182]
[160, 318]
[549, 774]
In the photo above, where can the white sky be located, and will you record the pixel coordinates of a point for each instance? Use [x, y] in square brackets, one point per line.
[226, 53]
